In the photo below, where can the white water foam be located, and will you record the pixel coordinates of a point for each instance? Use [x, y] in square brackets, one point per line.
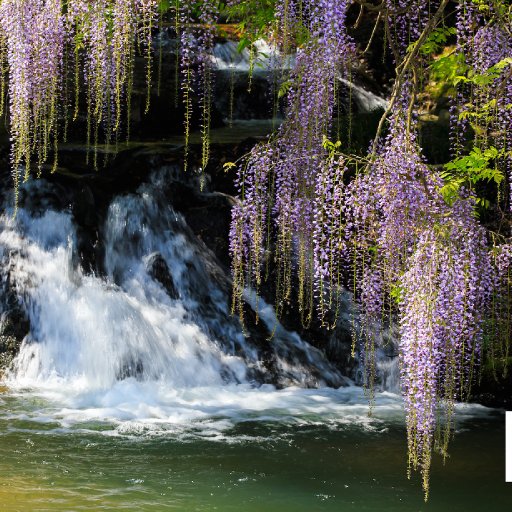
[91, 331]
[227, 56]
[366, 101]
[155, 408]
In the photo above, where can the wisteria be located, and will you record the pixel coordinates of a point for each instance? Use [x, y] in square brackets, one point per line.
[33, 34]
[407, 253]
[499, 326]
[40, 40]
[445, 290]
[287, 167]
[386, 208]
[196, 44]
[485, 90]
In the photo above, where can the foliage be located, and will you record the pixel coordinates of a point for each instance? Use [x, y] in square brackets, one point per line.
[467, 171]
[253, 18]
[402, 236]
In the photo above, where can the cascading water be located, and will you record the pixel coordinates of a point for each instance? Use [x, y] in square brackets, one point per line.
[152, 340]
[366, 101]
[227, 56]
[227, 59]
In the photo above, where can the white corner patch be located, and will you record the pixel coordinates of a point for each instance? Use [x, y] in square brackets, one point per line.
[508, 446]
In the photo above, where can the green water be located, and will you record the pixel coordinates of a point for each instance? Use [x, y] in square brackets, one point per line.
[255, 466]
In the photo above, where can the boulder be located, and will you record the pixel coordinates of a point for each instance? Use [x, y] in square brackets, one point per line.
[158, 269]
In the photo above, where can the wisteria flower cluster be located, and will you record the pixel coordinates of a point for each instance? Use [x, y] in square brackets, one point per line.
[484, 96]
[499, 326]
[286, 171]
[34, 36]
[196, 44]
[445, 291]
[386, 232]
[42, 41]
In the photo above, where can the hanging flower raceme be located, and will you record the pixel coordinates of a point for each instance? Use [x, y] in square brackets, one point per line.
[484, 93]
[196, 43]
[188, 52]
[40, 39]
[105, 33]
[385, 208]
[251, 223]
[444, 294]
[288, 167]
[468, 19]
[492, 46]
[328, 235]
[499, 327]
[146, 17]
[406, 19]
[492, 49]
[288, 16]
[425, 262]
[99, 70]
[207, 19]
[33, 33]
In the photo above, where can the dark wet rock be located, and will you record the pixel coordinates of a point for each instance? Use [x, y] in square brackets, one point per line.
[157, 268]
[9, 347]
[14, 326]
[131, 369]
[209, 218]
[238, 97]
[14, 322]
[86, 223]
[13, 319]
[88, 253]
[493, 390]
[84, 207]
[37, 197]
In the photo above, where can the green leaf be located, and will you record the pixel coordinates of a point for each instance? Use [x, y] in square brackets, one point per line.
[283, 90]
[228, 166]
[397, 293]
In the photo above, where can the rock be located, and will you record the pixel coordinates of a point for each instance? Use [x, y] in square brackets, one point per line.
[233, 97]
[493, 390]
[9, 347]
[132, 368]
[210, 218]
[84, 207]
[14, 326]
[158, 269]
[14, 322]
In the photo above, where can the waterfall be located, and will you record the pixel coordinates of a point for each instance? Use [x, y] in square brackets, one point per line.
[227, 58]
[366, 100]
[152, 343]
[160, 313]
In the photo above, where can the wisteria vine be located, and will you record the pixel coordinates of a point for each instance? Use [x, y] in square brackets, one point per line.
[46, 44]
[314, 220]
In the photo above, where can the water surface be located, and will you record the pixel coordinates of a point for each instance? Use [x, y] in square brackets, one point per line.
[279, 453]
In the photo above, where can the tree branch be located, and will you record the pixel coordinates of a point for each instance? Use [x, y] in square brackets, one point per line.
[402, 70]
